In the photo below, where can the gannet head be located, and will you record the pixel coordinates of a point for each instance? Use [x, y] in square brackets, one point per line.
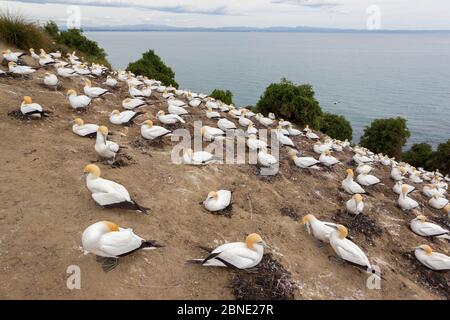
[357, 197]
[12, 64]
[111, 226]
[115, 112]
[209, 109]
[426, 248]
[71, 92]
[88, 83]
[350, 173]
[421, 218]
[149, 123]
[42, 51]
[27, 100]
[6, 51]
[31, 50]
[293, 157]
[254, 239]
[308, 218]
[447, 209]
[404, 189]
[93, 170]
[160, 113]
[78, 121]
[103, 130]
[213, 194]
[343, 232]
[252, 137]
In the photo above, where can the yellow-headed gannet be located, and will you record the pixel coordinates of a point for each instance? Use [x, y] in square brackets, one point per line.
[10, 56]
[255, 144]
[93, 92]
[151, 132]
[30, 109]
[20, 70]
[367, 179]
[266, 159]
[263, 120]
[305, 162]
[173, 109]
[355, 205]
[398, 187]
[169, 118]
[211, 134]
[210, 114]
[131, 104]
[320, 147]
[251, 130]
[110, 82]
[198, 158]
[327, 159]
[433, 260]
[105, 149]
[123, 118]
[226, 124]
[437, 202]
[293, 132]
[245, 122]
[217, 200]
[309, 134]
[363, 168]
[397, 173]
[351, 186]
[405, 202]
[50, 80]
[431, 190]
[84, 129]
[78, 102]
[420, 226]
[318, 229]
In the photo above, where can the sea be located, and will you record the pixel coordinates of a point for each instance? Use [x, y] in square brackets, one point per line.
[362, 76]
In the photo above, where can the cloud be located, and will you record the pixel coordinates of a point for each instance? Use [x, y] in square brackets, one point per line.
[218, 10]
[310, 3]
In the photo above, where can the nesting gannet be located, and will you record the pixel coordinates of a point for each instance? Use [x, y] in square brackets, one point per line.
[361, 158]
[319, 229]
[367, 179]
[415, 177]
[347, 249]
[211, 134]
[65, 72]
[241, 255]
[30, 109]
[151, 132]
[245, 122]
[351, 186]
[284, 123]
[327, 159]
[398, 187]
[363, 168]
[94, 92]
[266, 159]
[50, 80]
[255, 144]
[135, 92]
[78, 102]
[251, 130]
[420, 226]
[210, 114]
[46, 60]
[123, 118]
[217, 200]
[20, 70]
[309, 134]
[131, 104]
[10, 56]
[174, 109]
[355, 205]
[272, 116]
[293, 132]
[284, 141]
[433, 260]
[111, 82]
[55, 55]
[107, 240]
[235, 113]
[397, 173]
[198, 158]
[320, 147]
[263, 120]
[212, 104]
[226, 124]
[34, 55]
[106, 149]
[431, 190]
[84, 130]
[405, 202]
[169, 118]
[107, 193]
[438, 202]
[305, 162]
[194, 103]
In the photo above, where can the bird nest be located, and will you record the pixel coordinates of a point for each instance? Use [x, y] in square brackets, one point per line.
[361, 224]
[17, 114]
[271, 281]
[290, 212]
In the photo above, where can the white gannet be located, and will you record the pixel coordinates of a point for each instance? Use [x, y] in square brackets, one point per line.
[251, 130]
[405, 202]
[173, 109]
[433, 260]
[106, 149]
[361, 158]
[438, 202]
[235, 113]
[266, 159]
[78, 102]
[20, 70]
[284, 140]
[309, 134]
[10, 56]
[226, 124]
[241, 255]
[81, 70]
[363, 168]
[210, 114]
[266, 122]
[254, 144]
[293, 132]
[64, 72]
[135, 92]
[351, 186]
[305, 162]
[94, 92]
[168, 118]
[107, 193]
[198, 158]
[398, 187]
[367, 179]
[46, 60]
[30, 109]
[211, 134]
[347, 249]
[284, 123]
[110, 82]
[431, 190]
[84, 130]
[319, 229]
[34, 55]
[327, 159]
[131, 104]
[272, 116]
[355, 205]
[107, 240]
[212, 104]
[245, 122]
[218, 200]
[50, 80]
[320, 147]
[55, 55]
[151, 132]
[397, 173]
[194, 103]
[123, 118]
[420, 226]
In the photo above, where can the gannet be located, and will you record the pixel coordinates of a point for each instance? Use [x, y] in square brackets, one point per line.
[241, 255]
[107, 193]
[309, 134]
[420, 226]
[263, 120]
[195, 102]
[210, 114]
[320, 147]
[251, 130]
[94, 92]
[319, 229]
[111, 82]
[46, 60]
[30, 109]
[305, 162]
[34, 55]
[355, 205]
[81, 70]
[151, 132]
[106, 149]
[254, 144]
[266, 159]
[234, 113]
[10, 56]
[245, 122]
[84, 130]
[398, 187]
[21, 70]
[56, 54]
[272, 116]
[284, 141]
[294, 132]
[211, 134]
[327, 159]
[226, 124]
[431, 190]
[169, 118]
[217, 200]
[284, 123]
[346, 249]
[363, 168]
[397, 173]
[336, 146]
[135, 92]
[131, 104]
[415, 177]
[405, 202]
[50, 80]
[173, 109]
[198, 158]
[433, 260]
[351, 186]
[438, 202]
[123, 118]
[65, 72]
[78, 102]
[367, 179]
[212, 104]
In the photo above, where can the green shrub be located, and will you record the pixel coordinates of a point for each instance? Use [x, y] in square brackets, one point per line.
[222, 95]
[52, 29]
[387, 136]
[419, 155]
[441, 158]
[295, 103]
[336, 126]
[152, 66]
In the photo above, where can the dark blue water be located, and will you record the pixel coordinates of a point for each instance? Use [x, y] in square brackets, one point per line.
[360, 76]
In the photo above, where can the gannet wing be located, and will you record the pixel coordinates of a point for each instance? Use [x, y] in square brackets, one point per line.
[120, 242]
[105, 199]
[352, 253]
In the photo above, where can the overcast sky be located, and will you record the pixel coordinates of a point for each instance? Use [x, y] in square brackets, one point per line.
[394, 14]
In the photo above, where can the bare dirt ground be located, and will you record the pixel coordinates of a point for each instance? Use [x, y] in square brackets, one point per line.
[45, 206]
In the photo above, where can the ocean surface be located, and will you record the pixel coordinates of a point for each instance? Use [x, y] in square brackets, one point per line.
[361, 76]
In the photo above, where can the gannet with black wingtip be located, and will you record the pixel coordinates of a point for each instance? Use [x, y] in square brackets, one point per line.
[327, 159]
[218, 200]
[94, 92]
[438, 202]
[174, 109]
[123, 118]
[235, 113]
[266, 122]
[50, 80]
[431, 190]
[405, 202]
[309, 134]
[255, 144]
[195, 102]
[397, 173]
[30, 109]
[20, 70]
[240, 255]
[284, 140]
[55, 55]
[367, 179]
[320, 147]
[398, 187]
[318, 229]
[110, 81]
[78, 102]
[226, 124]
[420, 226]
[45, 60]
[107, 240]
[210, 114]
[432, 260]
[34, 55]
[64, 71]
[355, 205]
[294, 132]
[305, 162]
[104, 148]
[211, 134]
[363, 168]
[151, 132]
[198, 158]
[131, 104]
[168, 118]
[10, 56]
[84, 129]
[347, 249]
[245, 122]
[135, 92]
[266, 159]
[351, 186]
[107, 193]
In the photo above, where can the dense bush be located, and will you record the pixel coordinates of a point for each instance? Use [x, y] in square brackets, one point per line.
[292, 102]
[226, 96]
[419, 155]
[387, 136]
[336, 126]
[152, 66]
[441, 158]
